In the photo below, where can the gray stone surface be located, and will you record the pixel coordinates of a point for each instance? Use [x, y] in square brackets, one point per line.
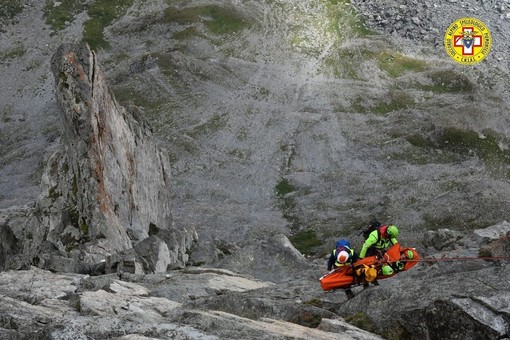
[67, 306]
[284, 120]
[434, 299]
[492, 233]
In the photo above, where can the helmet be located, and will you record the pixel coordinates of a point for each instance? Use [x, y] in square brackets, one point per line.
[392, 231]
[343, 256]
[370, 274]
[387, 270]
[343, 243]
[410, 254]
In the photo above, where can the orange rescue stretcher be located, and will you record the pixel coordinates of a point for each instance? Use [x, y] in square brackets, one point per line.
[393, 261]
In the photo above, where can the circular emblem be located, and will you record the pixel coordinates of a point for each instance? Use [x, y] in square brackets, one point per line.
[467, 41]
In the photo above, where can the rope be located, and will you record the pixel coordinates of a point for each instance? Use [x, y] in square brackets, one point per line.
[484, 258]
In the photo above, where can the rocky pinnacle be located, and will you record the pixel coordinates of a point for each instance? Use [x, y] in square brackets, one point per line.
[118, 178]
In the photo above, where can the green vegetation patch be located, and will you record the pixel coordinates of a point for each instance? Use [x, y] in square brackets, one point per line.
[348, 62]
[394, 332]
[485, 145]
[214, 124]
[73, 216]
[186, 33]
[10, 8]
[13, 53]
[397, 64]
[398, 100]
[448, 81]
[102, 13]
[395, 100]
[306, 241]
[307, 319]
[287, 203]
[84, 228]
[58, 13]
[167, 65]
[283, 188]
[219, 20]
[344, 20]
[324, 22]
[129, 94]
[53, 194]
[345, 63]
[314, 302]
[454, 222]
[420, 141]
[361, 320]
[489, 146]
[484, 251]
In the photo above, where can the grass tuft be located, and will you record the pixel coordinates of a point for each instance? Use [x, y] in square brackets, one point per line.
[60, 13]
[10, 8]
[361, 320]
[102, 13]
[396, 64]
[283, 188]
[218, 20]
[448, 81]
[306, 241]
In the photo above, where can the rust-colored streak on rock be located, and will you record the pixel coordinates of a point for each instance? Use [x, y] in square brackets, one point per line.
[71, 59]
[120, 186]
[102, 196]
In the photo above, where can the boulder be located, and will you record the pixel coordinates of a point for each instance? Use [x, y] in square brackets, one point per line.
[497, 248]
[442, 239]
[492, 233]
[156, 252]
[9, 244]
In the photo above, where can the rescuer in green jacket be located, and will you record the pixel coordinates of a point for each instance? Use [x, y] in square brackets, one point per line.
[378, 241]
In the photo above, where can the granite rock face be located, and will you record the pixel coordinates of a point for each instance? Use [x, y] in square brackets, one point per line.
[110, 155]
[107, 189]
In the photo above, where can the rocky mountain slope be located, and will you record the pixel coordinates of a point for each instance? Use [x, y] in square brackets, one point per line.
[283, 120]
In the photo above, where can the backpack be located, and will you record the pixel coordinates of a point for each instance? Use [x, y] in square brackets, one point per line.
[375, 225]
